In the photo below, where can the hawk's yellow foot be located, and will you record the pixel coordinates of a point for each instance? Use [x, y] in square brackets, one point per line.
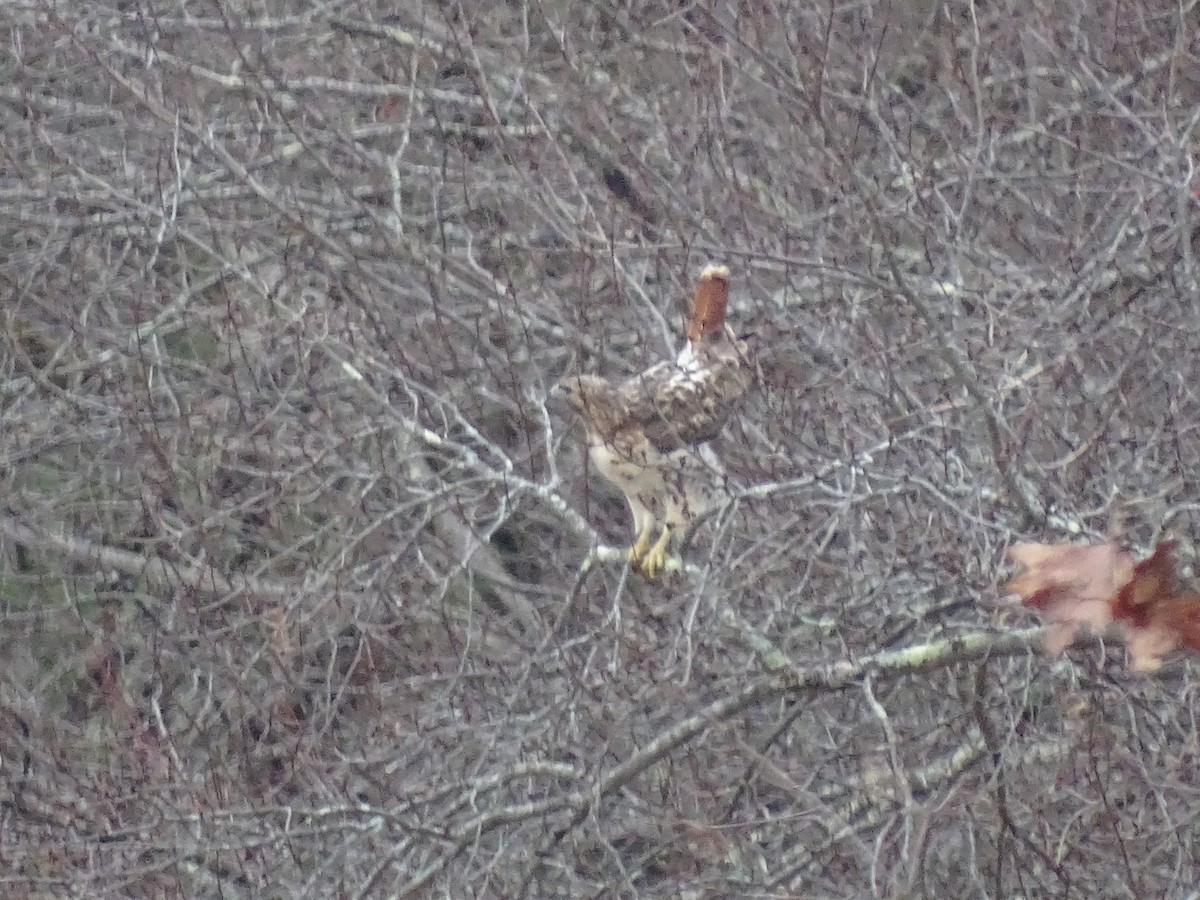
[640, 546]
[655, 559]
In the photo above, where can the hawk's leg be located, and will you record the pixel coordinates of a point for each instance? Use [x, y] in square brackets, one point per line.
[641, 545]
[655, 559]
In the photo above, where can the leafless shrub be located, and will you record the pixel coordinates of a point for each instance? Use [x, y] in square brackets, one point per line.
[306, 592]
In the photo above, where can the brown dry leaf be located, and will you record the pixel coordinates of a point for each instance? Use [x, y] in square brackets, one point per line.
[1074, 586]
[1147, 646]
[1071, 585]
[1182, 617]
[1158, 618]
[1153, 583]
[1147, 606]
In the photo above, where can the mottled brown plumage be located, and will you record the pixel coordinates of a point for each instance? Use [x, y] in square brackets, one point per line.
[649, 435]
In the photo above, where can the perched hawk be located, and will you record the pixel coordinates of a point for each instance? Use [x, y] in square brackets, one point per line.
[649, 435]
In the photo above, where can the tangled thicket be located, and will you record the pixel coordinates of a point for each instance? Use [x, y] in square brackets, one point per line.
[299, 580]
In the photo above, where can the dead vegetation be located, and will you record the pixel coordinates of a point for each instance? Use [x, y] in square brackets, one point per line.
[292, 553]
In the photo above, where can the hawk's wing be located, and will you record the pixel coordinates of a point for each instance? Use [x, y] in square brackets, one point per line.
[687, 402]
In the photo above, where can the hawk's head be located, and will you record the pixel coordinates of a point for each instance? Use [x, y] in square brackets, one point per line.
[592, 397]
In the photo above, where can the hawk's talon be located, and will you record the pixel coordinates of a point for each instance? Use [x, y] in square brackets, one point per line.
[655, 559]
[638, 551]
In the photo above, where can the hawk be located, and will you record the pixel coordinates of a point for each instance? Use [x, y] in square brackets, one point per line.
[649, 434]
